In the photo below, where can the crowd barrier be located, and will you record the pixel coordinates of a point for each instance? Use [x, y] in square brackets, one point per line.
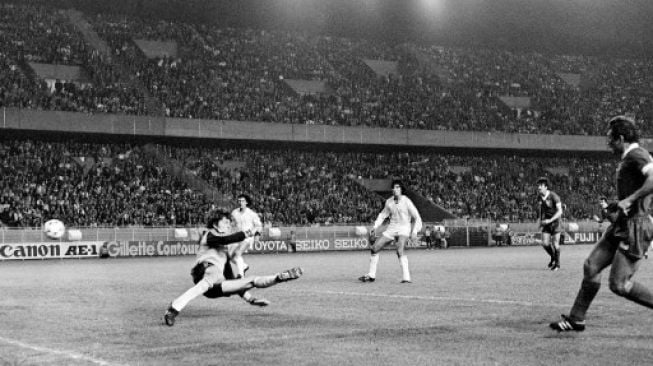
[22, 244]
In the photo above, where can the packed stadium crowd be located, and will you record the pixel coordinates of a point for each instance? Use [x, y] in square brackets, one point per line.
[238, 74]
[121, 184]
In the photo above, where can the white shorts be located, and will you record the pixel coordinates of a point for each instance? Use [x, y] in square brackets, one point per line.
[239, 248]
[393, 231]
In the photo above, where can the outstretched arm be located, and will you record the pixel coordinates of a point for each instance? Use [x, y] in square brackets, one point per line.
[215, 241]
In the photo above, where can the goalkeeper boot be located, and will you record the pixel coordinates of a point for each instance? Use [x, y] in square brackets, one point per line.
[258, 302]
[291, 274]
[566, 324]
[170, 315]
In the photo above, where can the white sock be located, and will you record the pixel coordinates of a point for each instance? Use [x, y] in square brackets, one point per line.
[265, 281]
[240, 264]
[237, 286]
[403, 261]
[193, 292]
[374, 262]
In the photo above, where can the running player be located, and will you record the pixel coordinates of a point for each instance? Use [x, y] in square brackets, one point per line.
[626, 241]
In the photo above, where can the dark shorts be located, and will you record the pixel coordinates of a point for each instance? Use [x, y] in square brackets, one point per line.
[552, 228]
[636, 239]
[216, 291]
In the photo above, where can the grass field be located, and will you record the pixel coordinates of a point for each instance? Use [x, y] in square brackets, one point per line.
[485, 306]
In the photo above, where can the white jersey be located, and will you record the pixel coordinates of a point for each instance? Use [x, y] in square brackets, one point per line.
[400, 214]
[246, 220]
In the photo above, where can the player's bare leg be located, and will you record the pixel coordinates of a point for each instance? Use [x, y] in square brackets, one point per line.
[600, 257]
[236, 286]
[546, 244]
[227, 288]
[622, 283]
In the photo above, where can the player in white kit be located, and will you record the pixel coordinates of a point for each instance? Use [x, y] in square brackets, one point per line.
[244, 219]
[405, 222]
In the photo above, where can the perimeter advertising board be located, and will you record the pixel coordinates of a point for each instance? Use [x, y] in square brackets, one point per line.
[49, 250]
[535, 238]
[91, 249]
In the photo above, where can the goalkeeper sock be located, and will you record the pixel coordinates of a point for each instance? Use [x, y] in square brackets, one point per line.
[264, 281]
[193, 292]
[241, 265]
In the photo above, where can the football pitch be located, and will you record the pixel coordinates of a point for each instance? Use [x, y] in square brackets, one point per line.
[481, 306]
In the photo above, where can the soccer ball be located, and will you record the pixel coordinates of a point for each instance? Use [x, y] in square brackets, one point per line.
[54, 229]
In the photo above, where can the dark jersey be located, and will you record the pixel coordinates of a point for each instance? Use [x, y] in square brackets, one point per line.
[630, 177]
[548, 205]
[604, 215]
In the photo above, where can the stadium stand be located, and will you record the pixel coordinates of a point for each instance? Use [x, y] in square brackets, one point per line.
[204, 71]
[238, 74]
[119, 184]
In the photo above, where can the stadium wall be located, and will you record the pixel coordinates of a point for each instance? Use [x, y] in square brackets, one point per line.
[22, 119]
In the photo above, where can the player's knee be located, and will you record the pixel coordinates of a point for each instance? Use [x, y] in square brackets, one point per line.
[205, 284]
[619, 286]
[375, 249]
[589, 269]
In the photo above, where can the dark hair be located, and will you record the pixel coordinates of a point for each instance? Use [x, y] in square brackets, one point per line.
[217, 216]
[545, 181]
[603, 198]
[397, 182]
[623, 126]
[246, 197]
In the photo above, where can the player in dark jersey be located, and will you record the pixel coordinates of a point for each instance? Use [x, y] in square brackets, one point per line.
[625, 242]
[603, 203]
[550, 211]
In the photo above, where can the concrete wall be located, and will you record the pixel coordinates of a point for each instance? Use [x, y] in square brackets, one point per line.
[211, 129]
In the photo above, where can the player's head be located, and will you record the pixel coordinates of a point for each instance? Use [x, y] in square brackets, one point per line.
[220, 221]
[243, 200]
[621, 130]
[603, 202]
[397, 187]
[543, 185]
